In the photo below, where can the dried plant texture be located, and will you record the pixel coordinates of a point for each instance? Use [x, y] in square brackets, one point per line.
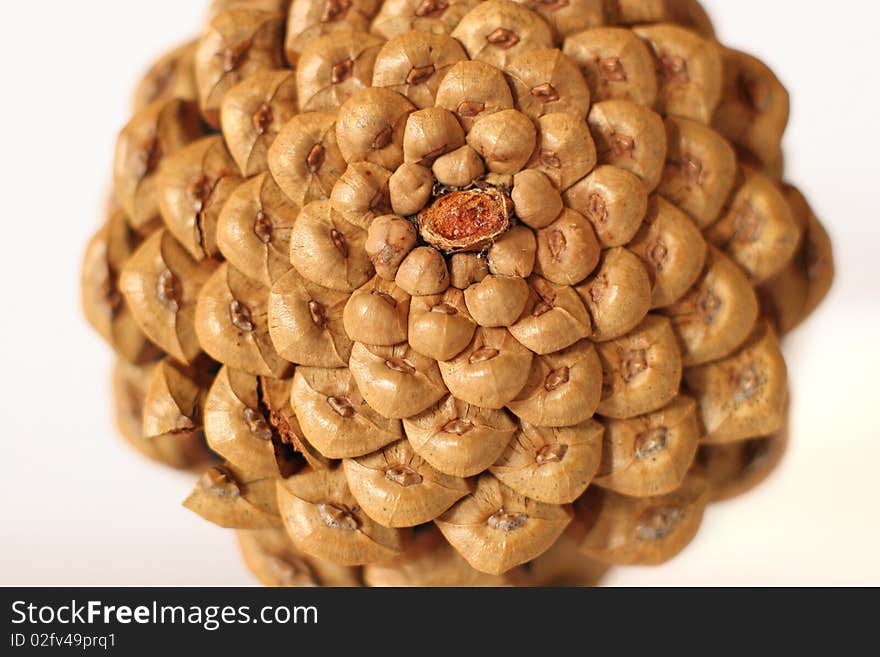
[553, 318]
[736, 468]
[161, 283]
[759, 231]
[324, 520]
[171, 76]
[131, 385]
[173, 411]
[430, 561]
[253, 113]
[228, 501]
[455, 292]
[414, 64]
[333, 67]
[795, 293]
[156, 131]
[274, 561]
[625, 530]
[236, 44]
[554, 466]
[232, 324]
[642, 370]
[564, 564]
[459, 438]
[193, 185]
[253, 230]
[249, 421]
[754, 108]
[743, 396]
[650, 455]
[304, 158]
[399, 488]
[495, 528]
[309, 19]
[104, 306]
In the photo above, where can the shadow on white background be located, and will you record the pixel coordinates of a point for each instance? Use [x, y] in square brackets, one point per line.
[78, 507]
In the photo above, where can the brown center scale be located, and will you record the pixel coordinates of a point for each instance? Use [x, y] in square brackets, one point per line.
[468, 220]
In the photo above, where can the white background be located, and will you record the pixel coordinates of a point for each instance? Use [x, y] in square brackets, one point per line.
[80, 508]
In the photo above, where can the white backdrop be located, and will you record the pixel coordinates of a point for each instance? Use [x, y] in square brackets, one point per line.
[80, 508]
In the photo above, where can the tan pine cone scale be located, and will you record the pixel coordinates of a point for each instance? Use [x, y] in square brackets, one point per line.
[452, 292]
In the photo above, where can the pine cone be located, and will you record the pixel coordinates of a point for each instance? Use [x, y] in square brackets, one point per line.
[450, 292]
